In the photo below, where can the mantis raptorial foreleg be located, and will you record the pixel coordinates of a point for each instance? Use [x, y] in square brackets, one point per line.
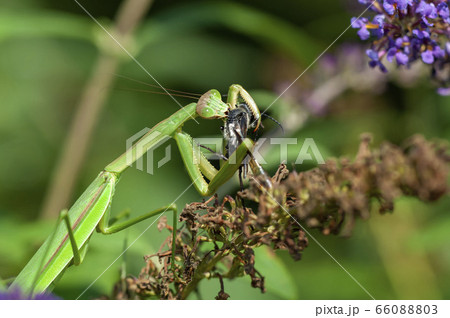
[192, 154]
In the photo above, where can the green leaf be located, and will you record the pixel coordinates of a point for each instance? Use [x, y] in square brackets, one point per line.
[27, 238]
[278, 279]
[433, 237]
[44, 23]
[2, 285]
[281, 35]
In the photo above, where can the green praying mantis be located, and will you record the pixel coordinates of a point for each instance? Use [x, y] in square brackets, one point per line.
[67, 245]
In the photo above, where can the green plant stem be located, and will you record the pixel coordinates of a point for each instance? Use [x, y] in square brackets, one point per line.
[93, 98]
[409, 271]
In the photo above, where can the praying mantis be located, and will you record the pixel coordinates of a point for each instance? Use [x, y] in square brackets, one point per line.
[67, 245]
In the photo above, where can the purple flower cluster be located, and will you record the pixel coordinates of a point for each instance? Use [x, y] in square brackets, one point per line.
[405, 31]
[16, 294]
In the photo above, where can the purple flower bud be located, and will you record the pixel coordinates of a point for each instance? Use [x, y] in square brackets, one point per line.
[379, 19]
[444, 91]
[402, 58]
[403, 4]
[427, 57]
[358, 23]
[438, 52]
[399, 42]
[391, 53]
[389, 8]
[442, 9]
[16, 294]
[427, 9]
[363, 33]
[421, 34]
[375, 60]
[373, 55]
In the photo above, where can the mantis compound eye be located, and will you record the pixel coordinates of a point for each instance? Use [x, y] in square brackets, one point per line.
[207, 112]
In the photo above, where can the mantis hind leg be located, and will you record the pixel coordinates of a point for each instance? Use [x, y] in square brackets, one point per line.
[106, 227]
[122, 215]
[78, 254]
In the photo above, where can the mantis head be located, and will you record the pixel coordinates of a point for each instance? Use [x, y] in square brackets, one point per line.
[211, 106]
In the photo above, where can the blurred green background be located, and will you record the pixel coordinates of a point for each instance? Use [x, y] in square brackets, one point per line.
[48, 51]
